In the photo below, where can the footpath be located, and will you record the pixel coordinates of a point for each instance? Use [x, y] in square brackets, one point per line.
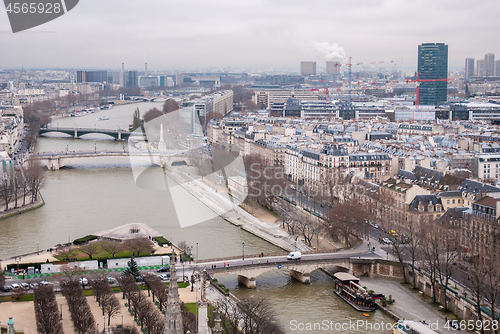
[228, 209]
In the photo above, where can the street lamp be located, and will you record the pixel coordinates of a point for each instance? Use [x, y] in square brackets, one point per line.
[243, 244]
[37, 248]
[196, 261]
[296, 243]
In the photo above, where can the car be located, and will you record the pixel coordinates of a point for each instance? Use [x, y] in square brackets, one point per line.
[6, 288]
[44, 283]
[294, 256]
[138, 279]
[164, 277]
[84, 281]
[33, 285]
[111, 280]
[162, 270]
[387, 241]
[15, 286]
[375, 226]
[454, 324]
[25, 286]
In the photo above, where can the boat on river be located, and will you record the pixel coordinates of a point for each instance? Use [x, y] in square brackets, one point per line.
[347, 287]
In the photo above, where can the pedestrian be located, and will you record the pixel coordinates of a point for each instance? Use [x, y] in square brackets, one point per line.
[224, 264]
[259, 261]
[262, 254]
[267, 261]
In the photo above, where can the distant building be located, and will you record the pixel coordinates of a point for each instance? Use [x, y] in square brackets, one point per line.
[333, 67]
[131, 79]
[481, 68]
[307, 68]
[469, 68]
[490, 64]
[433, 64]
[145, 82]
[497, 68]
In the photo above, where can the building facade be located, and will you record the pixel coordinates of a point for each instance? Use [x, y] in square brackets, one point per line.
[469, 68]
[307, 68]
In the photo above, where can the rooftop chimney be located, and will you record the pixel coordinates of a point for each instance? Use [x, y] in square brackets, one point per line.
[145, 69]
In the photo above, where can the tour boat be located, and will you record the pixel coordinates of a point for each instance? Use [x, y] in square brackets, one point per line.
[347, 287]
[103, 118]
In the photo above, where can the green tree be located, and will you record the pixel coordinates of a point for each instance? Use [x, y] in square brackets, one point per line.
[136, 122]
[132, 268]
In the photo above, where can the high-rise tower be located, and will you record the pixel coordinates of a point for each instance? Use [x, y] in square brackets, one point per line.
[490, 64]
[432, 65]
[469, 68]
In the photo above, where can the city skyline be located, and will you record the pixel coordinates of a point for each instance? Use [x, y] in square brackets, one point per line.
[248, 35]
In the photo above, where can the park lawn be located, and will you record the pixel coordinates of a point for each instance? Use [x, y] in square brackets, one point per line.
[24, 298]
[191, 307]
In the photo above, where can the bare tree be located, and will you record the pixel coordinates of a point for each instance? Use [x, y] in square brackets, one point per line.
[2, 276]
[346, 219]
[399, 248]
[35, 177]
[477, 277]
[90, 249]
[258, 317]
[66, 252]
[448, 252]
[413, 247]
[111, 247]
[48, 320]
[140, 245]
[7, 189]
[492, 278]
[170, 105]
[110, 305]
[152, 114]
[430, 250]
[188, 319]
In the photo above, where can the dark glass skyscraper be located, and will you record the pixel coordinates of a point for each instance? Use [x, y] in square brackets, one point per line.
[433, 64]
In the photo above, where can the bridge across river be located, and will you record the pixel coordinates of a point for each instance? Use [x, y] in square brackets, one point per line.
[78, 132]
[56, 160]
[356, 263]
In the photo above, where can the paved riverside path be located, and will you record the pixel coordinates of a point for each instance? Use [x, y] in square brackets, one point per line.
[269, 232]
[408, 305]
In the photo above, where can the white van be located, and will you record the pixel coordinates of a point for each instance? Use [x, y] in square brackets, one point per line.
[294, 256]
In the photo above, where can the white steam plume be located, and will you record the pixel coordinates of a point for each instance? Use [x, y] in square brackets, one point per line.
[329, 51]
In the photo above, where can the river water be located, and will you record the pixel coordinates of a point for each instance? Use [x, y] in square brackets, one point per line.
[93, 196]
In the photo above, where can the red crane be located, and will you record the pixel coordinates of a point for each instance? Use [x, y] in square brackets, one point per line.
[417, 95]
[327, 94]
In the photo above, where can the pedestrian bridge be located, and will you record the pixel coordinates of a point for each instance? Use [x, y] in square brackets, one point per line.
[78, 132]
[300, 270]
[57, 160]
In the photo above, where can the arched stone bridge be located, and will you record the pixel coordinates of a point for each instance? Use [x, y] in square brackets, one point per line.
[300, 270]
[78, 132]
[56, 160]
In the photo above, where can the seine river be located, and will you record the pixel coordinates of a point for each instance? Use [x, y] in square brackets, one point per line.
[93, 196]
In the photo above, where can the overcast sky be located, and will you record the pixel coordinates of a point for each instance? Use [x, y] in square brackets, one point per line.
[253, 34]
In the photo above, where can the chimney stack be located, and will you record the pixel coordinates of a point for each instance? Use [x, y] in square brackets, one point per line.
[145, 69]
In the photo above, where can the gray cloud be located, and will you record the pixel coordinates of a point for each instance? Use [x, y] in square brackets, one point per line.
[252, 34]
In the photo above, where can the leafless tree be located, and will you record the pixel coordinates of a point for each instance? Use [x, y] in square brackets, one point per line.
[413, 247]
[35, 177]
[170, 105]
[399, 248]
[346, 219]
[188, 319]
[448, 252]
[139, 245]
[152, 114]
[2, 276]
[110, 305]
[111, 247]
[430, 250]
[90, 249]
[66, 252]
[477, 275]
[258, 317]
[81, 315]
[492, 278]
[7, 189]
[48, 320]
[124, 330]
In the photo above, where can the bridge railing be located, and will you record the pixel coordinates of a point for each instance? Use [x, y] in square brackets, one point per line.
[237, 257]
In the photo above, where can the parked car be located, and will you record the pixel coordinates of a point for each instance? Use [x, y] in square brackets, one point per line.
[15, 286]
[387, 241]
[162, 270]
[25, 286]
[33, 285]
[6, 288]
[111, 280]
[44, 283]
[164, 277]
[84, 281]
[138, 279]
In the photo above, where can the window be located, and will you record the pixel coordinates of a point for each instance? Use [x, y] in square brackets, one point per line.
[453, 201]
[448, 202]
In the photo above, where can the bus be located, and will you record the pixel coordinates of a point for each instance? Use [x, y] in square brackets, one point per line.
[411, 327]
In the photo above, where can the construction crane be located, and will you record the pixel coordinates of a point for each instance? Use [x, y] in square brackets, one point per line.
[349, 65]
[418, 81]
[327, 94]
